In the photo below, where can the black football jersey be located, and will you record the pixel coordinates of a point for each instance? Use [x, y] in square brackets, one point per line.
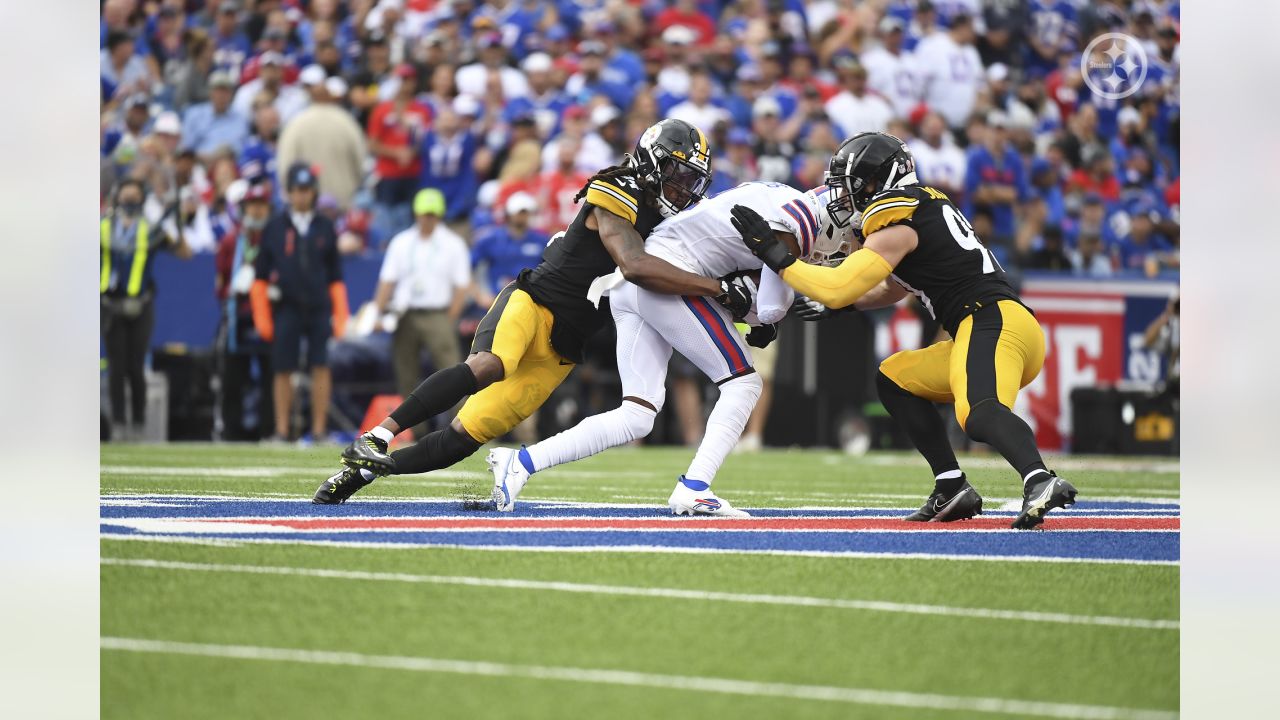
[570, 263]
[950, 271]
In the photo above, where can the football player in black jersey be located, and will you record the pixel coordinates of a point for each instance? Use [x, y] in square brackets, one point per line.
[535, 330]
[916, 241]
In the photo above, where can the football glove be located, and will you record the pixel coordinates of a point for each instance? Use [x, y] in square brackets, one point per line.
[810, 310]
[761, 335]
[760, 239]
[736, 296]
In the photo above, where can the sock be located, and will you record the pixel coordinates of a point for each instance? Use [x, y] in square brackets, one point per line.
[439, 392]
[922, 422]
[629, 421]
[437, 450]
[694, 485]
[948, 483]
[525, 460]
[725, 424]
[994, 424]
[1027, 478]
[382, 434]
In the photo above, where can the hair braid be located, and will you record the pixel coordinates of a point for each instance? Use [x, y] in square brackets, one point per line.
[608, 173]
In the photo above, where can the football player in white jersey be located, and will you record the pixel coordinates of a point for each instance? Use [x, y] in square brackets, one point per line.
[650, 325]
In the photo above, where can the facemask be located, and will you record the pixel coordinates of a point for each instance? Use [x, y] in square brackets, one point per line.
[131, 209]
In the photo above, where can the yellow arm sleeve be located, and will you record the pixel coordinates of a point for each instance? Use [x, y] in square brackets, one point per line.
[839, 286]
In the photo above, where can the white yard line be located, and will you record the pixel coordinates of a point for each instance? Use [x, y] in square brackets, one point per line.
[1063, 463]
[670, 593]
[856, 696]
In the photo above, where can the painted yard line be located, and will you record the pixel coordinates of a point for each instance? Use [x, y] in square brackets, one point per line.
[856, 696]
[654, 549]
[262, 473]
[774, 524]
[669, 593]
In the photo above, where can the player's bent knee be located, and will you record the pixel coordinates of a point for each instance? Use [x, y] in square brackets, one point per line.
[750, 384]
[487, 368]
[638, 418]
[983, 419]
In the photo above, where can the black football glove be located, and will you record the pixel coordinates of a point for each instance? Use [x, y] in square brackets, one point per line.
[810, 310]
[736, 296]
[759, 238]
[761, 335]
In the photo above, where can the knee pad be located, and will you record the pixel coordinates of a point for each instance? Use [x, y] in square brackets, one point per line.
[984, 419]
[638, 419]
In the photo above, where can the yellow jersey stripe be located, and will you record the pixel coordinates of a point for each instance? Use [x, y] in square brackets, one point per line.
[622, 194]
[611, 201]
[885, 216]
[885, 201]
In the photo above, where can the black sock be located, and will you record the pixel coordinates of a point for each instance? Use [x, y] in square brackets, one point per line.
[922, 422]
[994, 424]
[439, 392]
[437, 450]
[948, 486]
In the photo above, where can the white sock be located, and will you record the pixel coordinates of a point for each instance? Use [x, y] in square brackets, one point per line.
[949, 475]
[594, 434]
[382, 434]
[737, 399]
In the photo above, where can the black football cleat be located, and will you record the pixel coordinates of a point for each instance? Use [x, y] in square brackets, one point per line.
[964, 504]
[1046, 493]
[369, 453]
[340, 486]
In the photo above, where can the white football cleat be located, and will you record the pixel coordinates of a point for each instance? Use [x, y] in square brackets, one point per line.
[509, 477]
[694, 497]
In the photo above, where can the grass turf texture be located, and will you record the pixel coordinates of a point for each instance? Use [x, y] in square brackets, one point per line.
[946, 655]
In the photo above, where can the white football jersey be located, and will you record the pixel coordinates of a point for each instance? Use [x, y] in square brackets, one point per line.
[704, 241]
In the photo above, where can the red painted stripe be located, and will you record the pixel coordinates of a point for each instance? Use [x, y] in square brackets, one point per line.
[780, 524]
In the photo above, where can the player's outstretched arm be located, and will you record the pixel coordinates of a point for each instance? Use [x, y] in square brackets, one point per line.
[626, 247]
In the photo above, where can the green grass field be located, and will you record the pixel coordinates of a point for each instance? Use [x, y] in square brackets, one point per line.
[303, 631]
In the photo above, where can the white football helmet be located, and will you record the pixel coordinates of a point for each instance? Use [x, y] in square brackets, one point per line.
[833, 243]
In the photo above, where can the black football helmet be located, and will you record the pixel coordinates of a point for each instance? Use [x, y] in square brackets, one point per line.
[673, 160]
[864, 165]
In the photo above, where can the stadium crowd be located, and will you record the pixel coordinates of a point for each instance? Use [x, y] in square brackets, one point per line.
[506, 107]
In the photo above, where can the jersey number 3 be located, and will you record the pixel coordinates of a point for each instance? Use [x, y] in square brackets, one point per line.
[962, 231]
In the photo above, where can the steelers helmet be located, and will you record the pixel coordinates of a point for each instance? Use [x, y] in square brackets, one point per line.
[673, 161]
[866, 164]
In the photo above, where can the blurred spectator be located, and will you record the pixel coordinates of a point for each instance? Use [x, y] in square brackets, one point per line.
[246, 358]
[555, 188]
[372, 82]
[123, 71]
[687, 13]
[951, 71]
[127, 289]
[190, 74]
[326, 137]
[448, 158]
[396, 129]
[211, 126]
[891, 72]
[939, 162]
[289, 100]
[1089, 258]
[425, 280]
[474, 79]
[736, 164]
[258, 157]
[502, 252]
[1052, 31]
[1140, 245]
[298, 296]
[1050, 255]
[545, 101]
[1097, 175]
[231, 45]
[773, 155]
[1164, 336]
[995, 179]
[590, 79]
[698, 110]
[593, 152]
[854, 109]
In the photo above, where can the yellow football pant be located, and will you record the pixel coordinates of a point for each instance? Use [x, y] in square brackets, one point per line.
[996, 352]
[518, 331]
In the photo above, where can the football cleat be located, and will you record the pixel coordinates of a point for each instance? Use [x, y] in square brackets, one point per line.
[369, 453]
[340, 486]
[509, 477]
[694, 497]
[1038, 498]
[964, 504]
